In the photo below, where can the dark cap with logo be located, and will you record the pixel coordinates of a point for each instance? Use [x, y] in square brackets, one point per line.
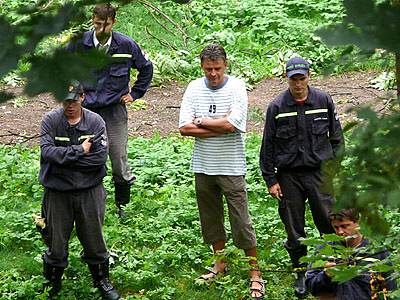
[297, 65]
[75, 91]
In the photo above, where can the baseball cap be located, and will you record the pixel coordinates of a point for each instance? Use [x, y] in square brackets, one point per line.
[75, 90]
[297, 65]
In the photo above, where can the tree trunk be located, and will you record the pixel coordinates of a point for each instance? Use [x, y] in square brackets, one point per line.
[398, 75]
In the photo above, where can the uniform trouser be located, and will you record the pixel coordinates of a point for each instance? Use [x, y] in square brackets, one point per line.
[116, 118]
[209, 191]
[84, 208]
[296, 187]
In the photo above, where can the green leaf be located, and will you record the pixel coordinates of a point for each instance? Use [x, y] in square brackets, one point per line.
[368, 25]
[332, 238]
[54, 73]
[10, 52]
[311, 241]
[344, 274]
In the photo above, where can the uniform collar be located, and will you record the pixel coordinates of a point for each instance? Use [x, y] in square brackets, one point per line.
[309, 101]
[81, 125]
[89, 42]
[96, 41]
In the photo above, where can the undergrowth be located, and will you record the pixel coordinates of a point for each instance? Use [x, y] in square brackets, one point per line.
[157, 252]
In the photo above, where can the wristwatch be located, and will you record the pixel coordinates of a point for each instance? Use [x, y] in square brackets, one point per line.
[197, 121]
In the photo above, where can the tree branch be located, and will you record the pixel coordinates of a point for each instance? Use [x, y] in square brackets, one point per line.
[21, 137]
[159, 22]
[165, 16]
[162, 42]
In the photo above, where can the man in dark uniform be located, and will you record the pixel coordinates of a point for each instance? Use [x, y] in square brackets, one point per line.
[302, 130]
[367, 285]
[73, 147]
[110, 93]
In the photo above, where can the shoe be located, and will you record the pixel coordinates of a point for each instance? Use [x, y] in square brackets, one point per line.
[53, 275]
[260, 290]
[107, 290]
[100, 275]
[121, 213]
[299, 285]
[122, 193]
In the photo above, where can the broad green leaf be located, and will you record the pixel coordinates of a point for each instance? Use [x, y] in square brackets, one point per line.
[54, 73]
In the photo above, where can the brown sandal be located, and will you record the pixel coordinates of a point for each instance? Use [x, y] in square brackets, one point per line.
[260, 290]
[210, 275]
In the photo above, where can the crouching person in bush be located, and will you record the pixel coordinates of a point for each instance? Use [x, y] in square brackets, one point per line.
[368, 285]
[214, 110]
[72, 167]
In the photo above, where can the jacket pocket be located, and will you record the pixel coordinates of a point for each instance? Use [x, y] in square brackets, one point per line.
[286, 144]
[119, 77]
[320, 140]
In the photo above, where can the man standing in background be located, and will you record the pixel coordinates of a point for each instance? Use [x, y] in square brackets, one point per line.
[110, 93]
[302, 130]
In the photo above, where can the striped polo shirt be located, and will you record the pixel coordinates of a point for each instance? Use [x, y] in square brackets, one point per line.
[224, 154]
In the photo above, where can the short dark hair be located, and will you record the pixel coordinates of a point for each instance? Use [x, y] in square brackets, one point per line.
[104, 11]
[347, 213]
[213, 52]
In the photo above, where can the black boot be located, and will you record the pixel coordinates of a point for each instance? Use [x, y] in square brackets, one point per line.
[101, 280]
[122, 196]
[53, 275]
[295, 253]
[299, 285]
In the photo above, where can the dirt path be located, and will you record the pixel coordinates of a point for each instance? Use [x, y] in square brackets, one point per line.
[20, 119]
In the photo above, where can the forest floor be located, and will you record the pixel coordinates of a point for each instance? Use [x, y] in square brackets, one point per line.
[20, 118]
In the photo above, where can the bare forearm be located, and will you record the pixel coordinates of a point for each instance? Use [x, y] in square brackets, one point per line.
[218, 125]
[194, 130]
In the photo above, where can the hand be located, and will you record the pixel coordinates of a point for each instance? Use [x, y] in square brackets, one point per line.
[86, 145]
[126, 98]
[327, 266]
[275, 191]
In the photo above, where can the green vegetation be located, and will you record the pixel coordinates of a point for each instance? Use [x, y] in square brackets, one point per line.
[259, 35]
[158, 251]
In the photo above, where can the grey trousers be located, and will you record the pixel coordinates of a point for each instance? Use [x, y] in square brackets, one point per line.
[209, 190]
[297, 187]
[85, 209]
[116, 118]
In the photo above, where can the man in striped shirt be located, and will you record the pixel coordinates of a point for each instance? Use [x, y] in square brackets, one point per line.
[302, 131]
[214, 110]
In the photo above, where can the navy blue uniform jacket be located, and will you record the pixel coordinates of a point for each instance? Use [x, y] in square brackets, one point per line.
[299, 136]
[357, 288]
[63, 164]
[112, 82]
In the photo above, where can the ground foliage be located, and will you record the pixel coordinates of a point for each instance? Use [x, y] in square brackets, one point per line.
[157, 253]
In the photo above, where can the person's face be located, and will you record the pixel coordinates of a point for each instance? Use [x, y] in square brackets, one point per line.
[214, 70]
[298, 85]
[346, 228]
[103, 28]
[72, 108]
